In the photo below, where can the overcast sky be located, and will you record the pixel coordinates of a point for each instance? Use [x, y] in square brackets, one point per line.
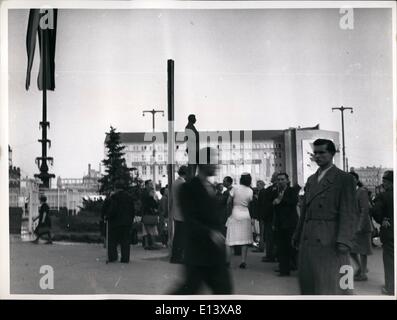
[235, 69]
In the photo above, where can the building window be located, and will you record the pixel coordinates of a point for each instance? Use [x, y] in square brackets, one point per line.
[143, 157]
[144, 170]
[161, 169]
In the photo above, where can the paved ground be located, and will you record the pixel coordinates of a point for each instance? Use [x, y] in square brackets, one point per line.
[81, 269]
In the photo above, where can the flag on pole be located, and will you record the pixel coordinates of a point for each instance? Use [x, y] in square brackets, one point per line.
[42, 24]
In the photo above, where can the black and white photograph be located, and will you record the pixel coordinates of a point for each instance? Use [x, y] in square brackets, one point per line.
[214, 149]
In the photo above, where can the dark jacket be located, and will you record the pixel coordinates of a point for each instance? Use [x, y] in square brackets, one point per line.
[285, 213]
[119, 209]
[383, 210]
[189, 129]
[44, 209]
[265, 203]
[201, 217]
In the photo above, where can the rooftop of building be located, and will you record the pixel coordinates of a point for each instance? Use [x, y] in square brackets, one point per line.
[257, 135]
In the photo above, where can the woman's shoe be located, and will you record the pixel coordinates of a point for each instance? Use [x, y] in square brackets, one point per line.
[243, 265]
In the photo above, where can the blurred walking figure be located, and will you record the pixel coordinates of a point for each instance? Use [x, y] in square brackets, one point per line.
[179, 239]
[205, 252]
[259, 215]
[362, 239]
[383, 214]
[265, 200]
[192, 146]
[285, 221]
[150, 217]
[326, 226]
[119, 213]
[44, 226]
[239, 229]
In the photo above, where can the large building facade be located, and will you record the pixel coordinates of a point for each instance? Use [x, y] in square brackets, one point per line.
[259, 152]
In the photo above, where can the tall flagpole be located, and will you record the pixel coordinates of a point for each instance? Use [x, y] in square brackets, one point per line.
[171, 148]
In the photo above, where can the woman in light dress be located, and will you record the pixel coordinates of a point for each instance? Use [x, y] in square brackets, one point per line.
[239, 229]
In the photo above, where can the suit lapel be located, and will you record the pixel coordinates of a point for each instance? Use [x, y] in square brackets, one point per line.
[318, 188]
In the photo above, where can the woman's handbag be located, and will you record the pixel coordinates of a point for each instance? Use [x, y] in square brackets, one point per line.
[150, 220]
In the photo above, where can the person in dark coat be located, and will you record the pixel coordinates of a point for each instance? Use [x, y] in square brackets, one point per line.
[205, 251]
[265, 201]
[44, 226]
[285, 221]
[259, 215]
[178, 241]
[362, 239]
[119, 214]
[326, 226]
[192, 146]
[383, 213]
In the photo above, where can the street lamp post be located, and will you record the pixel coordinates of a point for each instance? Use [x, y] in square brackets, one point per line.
[342, 109]
[153, 112]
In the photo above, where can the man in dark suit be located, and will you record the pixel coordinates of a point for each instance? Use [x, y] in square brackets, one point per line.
[205, 251]
[327, 225]
[265, 202]
[285, 221]
[119, 213]
[192, 145]
[383, 213]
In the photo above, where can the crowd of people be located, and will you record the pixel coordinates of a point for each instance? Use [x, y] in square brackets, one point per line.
[318, 231]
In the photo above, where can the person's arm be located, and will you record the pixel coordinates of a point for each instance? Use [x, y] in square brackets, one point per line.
[378, 209]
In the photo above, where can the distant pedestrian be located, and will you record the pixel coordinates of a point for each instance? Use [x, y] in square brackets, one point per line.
[326, 226]
[265, 200]
[362, 240]
[119, 214]
[150, 217]
[179, 238]
[285, 221]
[163, 215]
[192, 145]
[239, 229]
[383, 213]
[44, 225]
[205, 255]
[259, 215]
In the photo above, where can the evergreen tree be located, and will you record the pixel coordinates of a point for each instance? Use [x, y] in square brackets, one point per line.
[115, 164]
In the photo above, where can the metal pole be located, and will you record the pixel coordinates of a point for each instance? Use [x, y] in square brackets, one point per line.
[171, 149]
[343, 142]
[342, 109]
[153, 112]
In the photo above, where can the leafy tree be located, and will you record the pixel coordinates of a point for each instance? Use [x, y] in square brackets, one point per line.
[115, 165]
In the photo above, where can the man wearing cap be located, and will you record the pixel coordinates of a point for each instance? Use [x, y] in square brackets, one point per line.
[383, 214]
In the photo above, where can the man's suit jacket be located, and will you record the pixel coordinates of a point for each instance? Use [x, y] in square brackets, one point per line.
[265, 203]
[201, 217]
[285, 214]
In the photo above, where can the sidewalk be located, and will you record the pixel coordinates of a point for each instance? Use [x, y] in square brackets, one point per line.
[81, 269]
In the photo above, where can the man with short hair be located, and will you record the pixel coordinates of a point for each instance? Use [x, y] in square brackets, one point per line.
[285, 221]
[383, 212]
[326, 226]
[265, 199]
